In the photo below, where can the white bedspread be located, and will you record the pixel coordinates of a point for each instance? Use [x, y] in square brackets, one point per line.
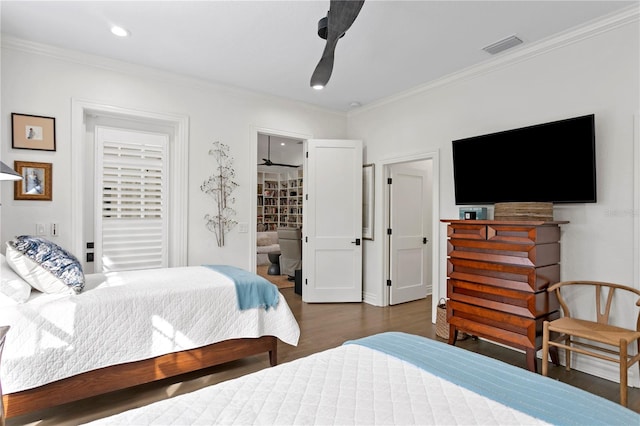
[349, 384]
[128, 316]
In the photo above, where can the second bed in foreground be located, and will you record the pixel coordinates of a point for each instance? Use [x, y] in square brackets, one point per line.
[388, 378]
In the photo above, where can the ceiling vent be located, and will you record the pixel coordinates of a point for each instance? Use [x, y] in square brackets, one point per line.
[501, 45]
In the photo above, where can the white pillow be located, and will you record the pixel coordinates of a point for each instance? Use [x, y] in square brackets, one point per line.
[11, 285]
[39, 275]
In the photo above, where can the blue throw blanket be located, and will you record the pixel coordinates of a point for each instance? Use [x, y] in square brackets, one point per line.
[530, 393]
[252, 290]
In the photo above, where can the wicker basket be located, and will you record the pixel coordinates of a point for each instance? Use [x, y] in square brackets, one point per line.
[442, 326]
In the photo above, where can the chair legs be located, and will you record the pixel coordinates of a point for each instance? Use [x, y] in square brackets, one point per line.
[567, 353]
[548, 350]
[545, 347]
[623, 372]
[567, 341]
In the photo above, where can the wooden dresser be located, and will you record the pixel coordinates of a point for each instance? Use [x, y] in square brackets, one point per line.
[497, 275]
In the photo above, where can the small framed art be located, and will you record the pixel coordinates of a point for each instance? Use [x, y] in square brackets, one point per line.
[35, 183]
[33, 132]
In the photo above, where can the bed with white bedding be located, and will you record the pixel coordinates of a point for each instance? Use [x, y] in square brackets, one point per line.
[127, 328]
[387, 379]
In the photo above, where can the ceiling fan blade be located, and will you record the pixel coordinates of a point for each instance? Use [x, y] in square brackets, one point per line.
[267, 161]
[322, 73]
[284, 165]
[341, 15]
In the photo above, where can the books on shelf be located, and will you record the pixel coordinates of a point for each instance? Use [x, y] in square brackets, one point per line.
[279, 199]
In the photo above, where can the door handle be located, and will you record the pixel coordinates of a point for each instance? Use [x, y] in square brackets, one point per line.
[356, 242]
[424, 240]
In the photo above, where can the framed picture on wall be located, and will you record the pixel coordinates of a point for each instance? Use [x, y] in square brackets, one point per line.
[35, 183]
[33, 132]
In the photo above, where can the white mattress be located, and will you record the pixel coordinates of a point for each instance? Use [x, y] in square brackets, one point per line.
[349, 384]
[128, 316]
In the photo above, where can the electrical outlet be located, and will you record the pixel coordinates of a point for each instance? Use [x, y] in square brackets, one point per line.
[244, 227]
[40, 230]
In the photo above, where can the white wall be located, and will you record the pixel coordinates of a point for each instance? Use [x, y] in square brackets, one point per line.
[594, 72]
[42, 80]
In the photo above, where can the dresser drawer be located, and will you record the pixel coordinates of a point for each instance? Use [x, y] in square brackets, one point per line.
[525, 304]
[468, 231]
[505, 252]
[513, 277]
[523, 234]
[516, 233]
[513, 330]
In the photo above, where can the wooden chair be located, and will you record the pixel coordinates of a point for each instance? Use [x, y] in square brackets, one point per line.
[3, 334]
[616, 339]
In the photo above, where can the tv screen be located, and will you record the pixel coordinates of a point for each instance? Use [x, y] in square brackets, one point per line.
[551, 162]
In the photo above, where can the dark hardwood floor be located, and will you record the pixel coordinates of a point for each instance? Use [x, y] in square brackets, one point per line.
[281, 281]
[323, 326]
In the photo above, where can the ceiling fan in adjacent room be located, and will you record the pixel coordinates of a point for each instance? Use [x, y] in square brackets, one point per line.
[268, 162]
[340, 17]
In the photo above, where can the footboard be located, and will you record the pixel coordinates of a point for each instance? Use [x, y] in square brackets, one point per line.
[117, 377]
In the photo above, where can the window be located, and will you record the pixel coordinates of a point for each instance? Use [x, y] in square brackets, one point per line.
[131, 199]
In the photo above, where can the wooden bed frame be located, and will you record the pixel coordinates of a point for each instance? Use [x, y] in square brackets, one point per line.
[117, 377]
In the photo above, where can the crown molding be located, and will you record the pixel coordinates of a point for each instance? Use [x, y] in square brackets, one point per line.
[588, 30]
[114, 65]
[591, 29]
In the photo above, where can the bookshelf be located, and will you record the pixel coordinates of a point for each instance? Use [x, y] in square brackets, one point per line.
[279, 199]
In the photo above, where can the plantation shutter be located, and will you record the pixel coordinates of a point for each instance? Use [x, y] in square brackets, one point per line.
[132, 195]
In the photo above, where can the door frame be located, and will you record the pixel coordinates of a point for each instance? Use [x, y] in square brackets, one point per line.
[253, 181]
[434, 156]
[179, 162]
[395, 171]
[636, 199]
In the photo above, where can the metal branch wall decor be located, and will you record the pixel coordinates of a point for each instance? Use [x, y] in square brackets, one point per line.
[219, 186]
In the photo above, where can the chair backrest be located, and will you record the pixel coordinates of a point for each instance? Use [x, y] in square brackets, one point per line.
[290, 240]
[602, 315]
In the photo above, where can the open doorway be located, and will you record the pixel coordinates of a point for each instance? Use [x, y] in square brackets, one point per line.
[279, 192]
[411, 212]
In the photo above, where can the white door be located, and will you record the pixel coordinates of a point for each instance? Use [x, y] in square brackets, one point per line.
[332, 222]
[409, 233]
[131, 198]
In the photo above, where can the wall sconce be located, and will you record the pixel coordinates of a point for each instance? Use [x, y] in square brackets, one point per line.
[7, 173]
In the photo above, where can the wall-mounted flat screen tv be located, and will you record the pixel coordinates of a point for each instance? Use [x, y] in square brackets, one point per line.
[550, 162]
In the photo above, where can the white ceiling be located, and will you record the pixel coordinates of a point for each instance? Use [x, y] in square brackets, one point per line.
[272, 46]
[282, 150]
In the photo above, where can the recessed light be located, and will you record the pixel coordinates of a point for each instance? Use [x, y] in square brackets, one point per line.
[318, 87]
[281, 143]
[119, 31]
[355, 104]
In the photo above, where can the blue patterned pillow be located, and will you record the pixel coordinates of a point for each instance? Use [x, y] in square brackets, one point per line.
[45, 265]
